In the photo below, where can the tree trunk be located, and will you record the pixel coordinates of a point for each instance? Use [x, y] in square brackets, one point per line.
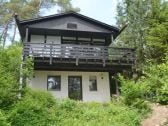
[38, 9]
[14, 33]
[5, 35]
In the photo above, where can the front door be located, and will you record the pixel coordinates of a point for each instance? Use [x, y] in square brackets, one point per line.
[75, 87]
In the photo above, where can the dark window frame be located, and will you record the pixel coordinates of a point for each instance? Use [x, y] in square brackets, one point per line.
[72, 26]
[56, 76]
[91, 83]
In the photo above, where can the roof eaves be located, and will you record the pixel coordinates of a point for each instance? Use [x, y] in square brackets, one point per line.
[68, 13]
[99, 22]
[42, 18]
[18, 24]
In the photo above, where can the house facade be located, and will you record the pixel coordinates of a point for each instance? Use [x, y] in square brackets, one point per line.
[73, 57]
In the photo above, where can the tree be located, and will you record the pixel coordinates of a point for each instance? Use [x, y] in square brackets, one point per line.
[133, 12]
[10, 74]
[147, 30]
[26, 9]
[157, 37]
[65, 6]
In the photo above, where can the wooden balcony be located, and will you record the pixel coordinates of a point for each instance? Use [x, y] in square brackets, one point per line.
[79, 54]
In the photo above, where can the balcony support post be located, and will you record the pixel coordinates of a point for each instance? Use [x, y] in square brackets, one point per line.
[25, 43]
[77, 61]
[104, 61]
[51, 54]
[27, 33]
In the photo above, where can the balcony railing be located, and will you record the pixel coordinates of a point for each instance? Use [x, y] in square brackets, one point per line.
[101, 54]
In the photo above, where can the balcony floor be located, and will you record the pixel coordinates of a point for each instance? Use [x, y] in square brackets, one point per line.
[82, 65]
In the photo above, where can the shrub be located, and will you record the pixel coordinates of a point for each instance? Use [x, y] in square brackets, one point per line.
[10, 59]
[75, 113]
[3, 119]
[162, 94]
[157, 80]
[34, 109]
[141, 106]
[41, 109]
[130, 90]
[134, 93]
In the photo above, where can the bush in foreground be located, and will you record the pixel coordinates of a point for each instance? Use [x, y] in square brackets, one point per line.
[3, 119]
[41, 109]
[34, 109]
[95, 114]
[134, 94]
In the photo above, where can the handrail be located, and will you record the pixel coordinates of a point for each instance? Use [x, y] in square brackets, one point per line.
[130, 48]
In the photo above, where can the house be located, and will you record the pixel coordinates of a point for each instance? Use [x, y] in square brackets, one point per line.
[73, 57]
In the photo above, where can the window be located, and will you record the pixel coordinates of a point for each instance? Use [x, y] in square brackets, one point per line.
[84, 39]
[72, 25]
[99, 40]
[54, 83]
[68, 38]
[92, 83]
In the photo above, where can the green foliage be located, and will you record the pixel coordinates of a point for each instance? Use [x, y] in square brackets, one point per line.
[28, 67]
[41, 109]
[133, 13]
[69, 112]
[131, 90]
[156, 78]
[134, 94]
[157, 33]
[147, 29]
[10, 71]
[3, 119]
[153, 86]
[34, 109]
[66, 5]
[162, 94]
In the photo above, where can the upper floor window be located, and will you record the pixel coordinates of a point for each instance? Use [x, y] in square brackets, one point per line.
[54, 83]
[99, 40]
[72, 25]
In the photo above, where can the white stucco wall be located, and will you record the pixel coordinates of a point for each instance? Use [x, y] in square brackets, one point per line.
[101, 95]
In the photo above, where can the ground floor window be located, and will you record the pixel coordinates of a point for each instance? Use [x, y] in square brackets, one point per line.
[92, 83]
[54, 82]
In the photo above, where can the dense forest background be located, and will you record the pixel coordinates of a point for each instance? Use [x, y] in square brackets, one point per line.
[146, 31]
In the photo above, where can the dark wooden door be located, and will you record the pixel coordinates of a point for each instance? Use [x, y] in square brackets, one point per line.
[75, 87]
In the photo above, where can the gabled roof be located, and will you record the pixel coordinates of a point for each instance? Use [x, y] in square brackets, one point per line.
[23, 23]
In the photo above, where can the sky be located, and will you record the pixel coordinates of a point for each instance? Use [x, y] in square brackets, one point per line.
[102, 10]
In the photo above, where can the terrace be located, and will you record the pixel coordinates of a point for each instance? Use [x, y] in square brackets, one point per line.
[79, 54]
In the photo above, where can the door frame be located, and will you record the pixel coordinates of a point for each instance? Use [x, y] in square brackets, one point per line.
[81, 92]
[116, 84]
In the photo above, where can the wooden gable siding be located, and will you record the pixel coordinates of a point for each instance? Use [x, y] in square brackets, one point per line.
[61, 23]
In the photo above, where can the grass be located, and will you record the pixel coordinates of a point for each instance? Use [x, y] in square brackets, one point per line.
[41, 109]
[73, 113]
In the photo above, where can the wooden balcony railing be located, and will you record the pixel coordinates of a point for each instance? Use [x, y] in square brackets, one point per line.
[80, 52]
